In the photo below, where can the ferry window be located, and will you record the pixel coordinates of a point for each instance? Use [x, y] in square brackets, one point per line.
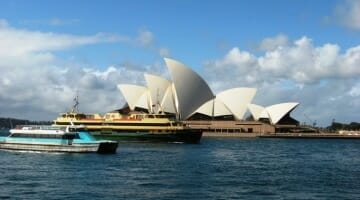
[90, 116]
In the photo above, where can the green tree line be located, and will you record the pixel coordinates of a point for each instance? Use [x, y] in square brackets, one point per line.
[340, 126]
[11, 122]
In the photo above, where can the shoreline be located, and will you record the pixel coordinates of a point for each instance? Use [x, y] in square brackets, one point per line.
[282, 135]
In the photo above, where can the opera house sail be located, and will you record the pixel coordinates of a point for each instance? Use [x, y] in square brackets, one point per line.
[191, 90]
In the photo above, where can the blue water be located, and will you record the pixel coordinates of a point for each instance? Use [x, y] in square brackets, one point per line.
[214, 169]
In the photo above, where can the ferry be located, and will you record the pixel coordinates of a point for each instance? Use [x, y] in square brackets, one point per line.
[72, 139]
[125, 125]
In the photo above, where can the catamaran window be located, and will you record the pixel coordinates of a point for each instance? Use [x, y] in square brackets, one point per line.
[45, 136]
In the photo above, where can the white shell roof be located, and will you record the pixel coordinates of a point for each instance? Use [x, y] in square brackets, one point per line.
[278, 111]
[219, 108]
[160, 92]
[274, 112]
[264, 114]
[135, 96]
[191, 90]
[157, 87]
[237, 100]
[256, 110]
[144, 101]
[168, 102]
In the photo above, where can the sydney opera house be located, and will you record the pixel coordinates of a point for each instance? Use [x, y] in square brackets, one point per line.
[191, 100]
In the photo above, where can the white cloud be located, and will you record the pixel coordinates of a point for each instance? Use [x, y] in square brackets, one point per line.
[15, 42]
[271, 43]
[355, 90]
[295, 71]
[105, 75]
[23, 47]
[35, 84]
[145, 38]
[348, 14]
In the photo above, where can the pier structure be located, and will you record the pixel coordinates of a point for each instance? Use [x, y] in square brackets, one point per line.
[215, 128]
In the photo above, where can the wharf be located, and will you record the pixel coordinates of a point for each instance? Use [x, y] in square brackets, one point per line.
[282, 135]
[311, 135]
[230, 135]
[254, 129]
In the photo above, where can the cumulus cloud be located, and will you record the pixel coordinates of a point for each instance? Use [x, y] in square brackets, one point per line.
[269, 44]
[347, 14]
[36, 84]
[355, 90]
[301, 62]
[319, 77]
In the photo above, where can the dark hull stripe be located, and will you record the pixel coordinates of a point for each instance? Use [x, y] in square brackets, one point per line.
[147, 137]
[115, 124]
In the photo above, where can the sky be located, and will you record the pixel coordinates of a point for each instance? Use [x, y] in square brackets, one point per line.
[291, 51]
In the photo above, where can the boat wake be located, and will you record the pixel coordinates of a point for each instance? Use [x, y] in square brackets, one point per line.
[176, 142]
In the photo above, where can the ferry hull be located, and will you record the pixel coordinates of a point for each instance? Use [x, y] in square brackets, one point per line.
[188, 136]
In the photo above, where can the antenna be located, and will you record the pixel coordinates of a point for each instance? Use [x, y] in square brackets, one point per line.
[311, 121]
[213, 108]
[11, 124]
[75, 107]
[159, 108]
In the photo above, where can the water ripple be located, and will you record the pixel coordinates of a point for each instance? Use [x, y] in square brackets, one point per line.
[214, 169]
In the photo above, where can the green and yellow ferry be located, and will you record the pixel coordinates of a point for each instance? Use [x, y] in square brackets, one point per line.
[128, 125]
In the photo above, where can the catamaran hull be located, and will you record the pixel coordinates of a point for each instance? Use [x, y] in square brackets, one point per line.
[105, 147]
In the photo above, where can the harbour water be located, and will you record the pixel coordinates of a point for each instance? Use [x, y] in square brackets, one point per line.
[215, 169]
